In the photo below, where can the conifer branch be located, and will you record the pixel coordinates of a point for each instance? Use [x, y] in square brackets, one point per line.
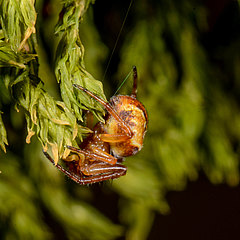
[55, 123]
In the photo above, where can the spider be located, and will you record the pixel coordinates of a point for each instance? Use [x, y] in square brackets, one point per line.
[100, 155]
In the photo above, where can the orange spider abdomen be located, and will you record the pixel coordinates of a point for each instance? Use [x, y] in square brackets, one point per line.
[133, 113]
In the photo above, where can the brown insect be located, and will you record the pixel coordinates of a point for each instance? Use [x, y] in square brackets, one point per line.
[100, 156]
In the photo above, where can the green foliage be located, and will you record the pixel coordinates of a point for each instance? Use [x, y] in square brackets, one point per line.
[69, 61]
[3, 135]
[193, 120]
[53, 121]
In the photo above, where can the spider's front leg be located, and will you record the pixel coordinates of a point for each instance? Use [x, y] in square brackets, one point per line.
[126, 131]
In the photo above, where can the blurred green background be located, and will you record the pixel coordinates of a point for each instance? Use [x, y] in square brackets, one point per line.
[184, 184]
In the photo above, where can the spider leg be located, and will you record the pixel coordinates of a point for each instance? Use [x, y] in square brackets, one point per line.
[71, 175]
[109, 108]
[101, 168]
[105, 137]
[107, 172]
[96, 154]
[113, 138]
[135, 80]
